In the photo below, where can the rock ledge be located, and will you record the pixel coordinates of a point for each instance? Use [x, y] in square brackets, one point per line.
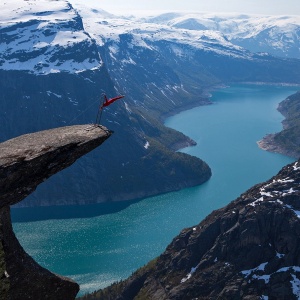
[25, 162]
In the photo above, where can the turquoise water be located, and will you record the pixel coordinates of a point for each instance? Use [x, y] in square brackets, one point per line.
[98, 250]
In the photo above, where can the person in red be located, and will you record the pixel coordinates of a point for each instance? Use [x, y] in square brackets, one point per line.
[106, 102]
[110, 101]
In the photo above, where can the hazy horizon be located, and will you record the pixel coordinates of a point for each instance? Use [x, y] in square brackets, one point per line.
[265, 7]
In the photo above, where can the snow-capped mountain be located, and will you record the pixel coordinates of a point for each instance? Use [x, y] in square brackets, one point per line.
[38, 36]
[106, 28]
[277, 35]
[57, 59]
[157, 55]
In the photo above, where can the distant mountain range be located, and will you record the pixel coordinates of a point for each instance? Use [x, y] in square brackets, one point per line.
[56, 60]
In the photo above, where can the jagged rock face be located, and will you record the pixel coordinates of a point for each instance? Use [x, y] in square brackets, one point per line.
[247, 250]
[25, 162]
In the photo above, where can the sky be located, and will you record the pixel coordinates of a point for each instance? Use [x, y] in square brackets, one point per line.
[266, 7]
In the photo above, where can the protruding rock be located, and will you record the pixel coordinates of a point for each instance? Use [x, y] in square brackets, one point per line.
[28, 160]
[25, 162]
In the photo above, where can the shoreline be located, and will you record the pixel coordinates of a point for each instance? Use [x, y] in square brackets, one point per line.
[268, 143]
[269, 83]
[203, 101]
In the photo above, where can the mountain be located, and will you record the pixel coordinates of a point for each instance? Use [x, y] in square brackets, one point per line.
[246, 250]
[57, 60]
[276, 35]
[45, 37]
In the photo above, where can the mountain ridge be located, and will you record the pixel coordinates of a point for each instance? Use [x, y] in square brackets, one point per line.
[245, 250]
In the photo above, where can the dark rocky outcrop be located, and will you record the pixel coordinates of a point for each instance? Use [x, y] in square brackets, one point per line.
[287, 141]
[246, 250]
[25, 162]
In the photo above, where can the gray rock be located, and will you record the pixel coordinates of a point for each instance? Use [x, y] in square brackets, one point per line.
[25, 162]
[28, 160]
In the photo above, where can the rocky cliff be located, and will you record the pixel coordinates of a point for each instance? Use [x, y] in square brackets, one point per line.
[25, 162]
[286, 141]
[246, 250]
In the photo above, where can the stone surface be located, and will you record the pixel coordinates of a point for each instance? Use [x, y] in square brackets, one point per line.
[28, 160]
[25, 162]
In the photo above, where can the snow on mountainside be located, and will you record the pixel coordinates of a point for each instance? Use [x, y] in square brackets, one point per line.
[106, 27]
[278, 35]
[42, 36]
[50, 36]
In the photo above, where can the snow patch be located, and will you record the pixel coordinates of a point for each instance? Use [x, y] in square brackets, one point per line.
[279, 255]
[295, 166]
[286, 180]
[49, 93]
[256, 202]
[127, 108]
[295, 286]
[251, 274]
[128, 61]
[189, 275]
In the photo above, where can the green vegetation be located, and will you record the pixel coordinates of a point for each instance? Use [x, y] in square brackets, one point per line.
[175, 170]
[289, 137]
[151, 166]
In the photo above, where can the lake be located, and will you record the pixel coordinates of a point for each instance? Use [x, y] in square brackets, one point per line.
[98, 250]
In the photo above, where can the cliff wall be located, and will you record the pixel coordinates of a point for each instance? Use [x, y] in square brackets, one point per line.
[25, 162]
[246, 250]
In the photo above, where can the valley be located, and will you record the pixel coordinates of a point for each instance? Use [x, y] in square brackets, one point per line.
[91, 248]
[201, 93]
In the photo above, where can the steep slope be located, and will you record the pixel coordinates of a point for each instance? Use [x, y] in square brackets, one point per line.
[44, 37]
[51, 74]
[246, 250]
[25, 162]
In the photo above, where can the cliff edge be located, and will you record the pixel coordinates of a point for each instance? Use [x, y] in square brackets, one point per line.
[246, 250]
[25, 162]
